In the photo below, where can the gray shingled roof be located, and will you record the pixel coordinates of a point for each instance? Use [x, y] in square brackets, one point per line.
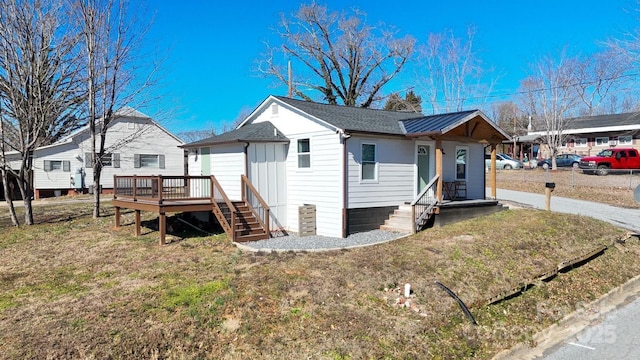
[355, 118]
[256, 132]
[604, 121]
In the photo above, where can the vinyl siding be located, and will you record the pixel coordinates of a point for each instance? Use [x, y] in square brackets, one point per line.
[227, 164]
[127, 137]
[395, 173]
[476, 168]
[321, 185]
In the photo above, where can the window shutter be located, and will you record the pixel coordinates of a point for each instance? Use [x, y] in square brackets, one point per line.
[47, 165]
[87, 160]
[115, 160]
[136, 160]
[161, 161]
[66, 165]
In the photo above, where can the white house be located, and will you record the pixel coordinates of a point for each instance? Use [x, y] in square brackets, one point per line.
[355, 165]
[135, 145]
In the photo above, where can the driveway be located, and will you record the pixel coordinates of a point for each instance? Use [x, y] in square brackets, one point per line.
[625, 218]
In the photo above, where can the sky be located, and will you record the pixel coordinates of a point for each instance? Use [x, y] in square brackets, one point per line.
[210, 48]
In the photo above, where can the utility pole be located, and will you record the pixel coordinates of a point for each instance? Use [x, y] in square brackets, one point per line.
[514, 137]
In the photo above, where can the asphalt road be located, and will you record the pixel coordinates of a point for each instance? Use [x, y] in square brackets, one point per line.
[625, 218]
[611, 334]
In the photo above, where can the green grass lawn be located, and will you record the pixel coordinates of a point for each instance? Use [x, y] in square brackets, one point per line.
[74, 287]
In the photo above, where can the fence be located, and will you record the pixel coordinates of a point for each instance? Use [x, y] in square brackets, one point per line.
[572, 178]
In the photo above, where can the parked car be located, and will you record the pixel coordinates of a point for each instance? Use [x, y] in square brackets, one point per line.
[503, 161]
[562, 160]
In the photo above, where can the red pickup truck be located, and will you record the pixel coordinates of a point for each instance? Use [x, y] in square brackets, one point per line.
[610, 159]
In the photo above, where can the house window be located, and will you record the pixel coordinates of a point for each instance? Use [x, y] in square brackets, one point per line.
[602, 141]
[462, 161]
[304, 154]
[625, 140]
[148, 161]
[274, 109]
[57, 165]
[368, 170]
[111, 160]
[580, 142]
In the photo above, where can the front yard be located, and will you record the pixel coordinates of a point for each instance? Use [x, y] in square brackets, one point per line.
[72, 287]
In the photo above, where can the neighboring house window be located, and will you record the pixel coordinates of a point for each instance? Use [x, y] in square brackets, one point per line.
[625, 140]
[368, 171]
[304, 154]
[580, 142]
[131, 125]
[111, 160]
[602, 141]
[462, 161]
[57, 165]
[148, 161]
[274, 109]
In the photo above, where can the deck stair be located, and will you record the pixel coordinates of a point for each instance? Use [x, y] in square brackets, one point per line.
[400, 221]
[247, 225]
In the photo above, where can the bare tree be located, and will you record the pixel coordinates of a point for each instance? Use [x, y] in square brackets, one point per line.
[411, 102]
[39, 89]
[451, 74]
[337, 54]
[601, 79]
[550, 97]
[111, 40]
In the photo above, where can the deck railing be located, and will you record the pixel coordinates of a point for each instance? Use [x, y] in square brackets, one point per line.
[223, 208]
[423, 206]
[159, 188]
[251, 196]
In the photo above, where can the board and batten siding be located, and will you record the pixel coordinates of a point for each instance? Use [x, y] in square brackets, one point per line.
[268, 174]
[476, 167]
[395, 173]
[227, 164]
[321, 184]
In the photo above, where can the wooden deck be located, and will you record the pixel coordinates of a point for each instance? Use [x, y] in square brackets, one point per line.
[172, 194]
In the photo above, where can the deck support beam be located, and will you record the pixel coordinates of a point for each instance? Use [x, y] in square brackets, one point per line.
[162, 219]
[137, 223]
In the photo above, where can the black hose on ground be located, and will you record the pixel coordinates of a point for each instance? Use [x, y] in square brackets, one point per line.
[460, 303]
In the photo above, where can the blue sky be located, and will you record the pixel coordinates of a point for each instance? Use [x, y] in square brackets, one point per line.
[211, 47]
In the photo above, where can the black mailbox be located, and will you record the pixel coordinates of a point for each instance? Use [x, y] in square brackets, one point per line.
[550, 185]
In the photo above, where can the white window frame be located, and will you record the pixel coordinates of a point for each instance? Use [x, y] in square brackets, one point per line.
[306, 154]
[158, 164]
[466, 163]
[602, 141]
[374, 162]
[625, 140]
[580, 142]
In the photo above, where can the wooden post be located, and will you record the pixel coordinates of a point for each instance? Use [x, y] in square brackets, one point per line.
[267, 222]
[493, 180]
[117, 219]
[160, 189]
[547, 197]
[162, 219]
[137, 223]
[439, 169]
[413, 219]
[135, 187]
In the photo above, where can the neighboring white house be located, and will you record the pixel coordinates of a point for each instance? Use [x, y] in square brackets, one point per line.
[135, 145]
[355, 165]
[588, 135]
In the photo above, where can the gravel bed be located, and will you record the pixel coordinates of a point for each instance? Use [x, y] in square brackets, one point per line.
[318, 243]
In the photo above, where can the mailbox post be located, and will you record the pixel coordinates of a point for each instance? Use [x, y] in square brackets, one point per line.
[548, 188]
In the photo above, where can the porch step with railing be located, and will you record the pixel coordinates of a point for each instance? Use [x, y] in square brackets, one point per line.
[401, 220]
[247, 225]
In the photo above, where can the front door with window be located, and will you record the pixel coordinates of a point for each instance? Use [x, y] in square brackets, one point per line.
[423, 165]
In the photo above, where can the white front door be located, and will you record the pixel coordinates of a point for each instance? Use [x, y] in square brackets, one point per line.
[423, 164]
